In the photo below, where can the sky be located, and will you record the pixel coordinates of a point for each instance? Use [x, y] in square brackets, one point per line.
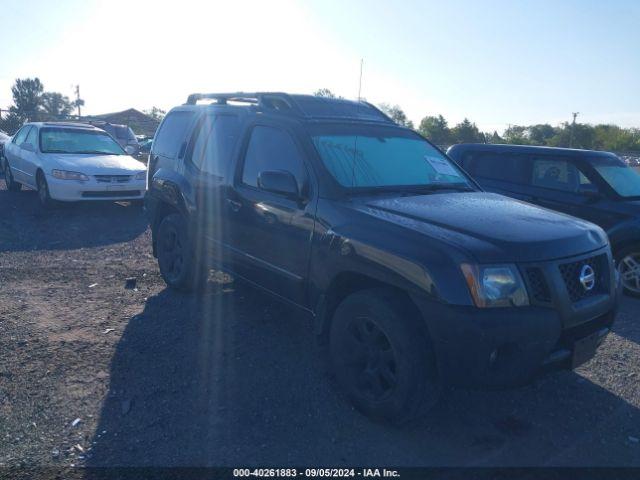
[494, 62]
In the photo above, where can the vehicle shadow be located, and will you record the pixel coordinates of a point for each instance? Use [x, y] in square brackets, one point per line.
[232, 378]
[25, 226]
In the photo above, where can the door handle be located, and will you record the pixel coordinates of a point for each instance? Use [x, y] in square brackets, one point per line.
[235, 206]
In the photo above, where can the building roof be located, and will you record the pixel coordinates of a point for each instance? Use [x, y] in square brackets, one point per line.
[140, 123]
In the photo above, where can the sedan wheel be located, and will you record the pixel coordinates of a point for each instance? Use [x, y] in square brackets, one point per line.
[43, 192]
[11, 183]
[629, 269]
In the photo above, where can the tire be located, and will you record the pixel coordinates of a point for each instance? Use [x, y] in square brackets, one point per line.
[176, 256]
[9, 181]
[381, 357]
[628, 264]
[44, 197]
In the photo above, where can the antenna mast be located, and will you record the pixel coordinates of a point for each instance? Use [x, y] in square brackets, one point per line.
[360, 81]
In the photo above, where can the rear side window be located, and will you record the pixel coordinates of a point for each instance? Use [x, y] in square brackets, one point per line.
[497, 166]
[122, 133]
[32, 137]
[21, 135]
[272, 149]
[172, 134]
[557, 174]
[214, 143]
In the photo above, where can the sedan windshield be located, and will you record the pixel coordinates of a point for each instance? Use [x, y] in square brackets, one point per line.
[624, 179]
[381, 157]
[77, 141]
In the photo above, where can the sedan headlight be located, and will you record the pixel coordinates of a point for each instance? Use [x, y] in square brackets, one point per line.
[495, 285]
[67, 175]
[141, 176]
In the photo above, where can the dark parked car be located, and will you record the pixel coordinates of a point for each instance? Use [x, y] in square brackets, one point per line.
[414, 275]
[145, 146]
[121, 134]
[595, 186]
[4, 138]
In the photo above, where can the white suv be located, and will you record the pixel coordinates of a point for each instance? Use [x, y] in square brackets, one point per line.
[71, 162]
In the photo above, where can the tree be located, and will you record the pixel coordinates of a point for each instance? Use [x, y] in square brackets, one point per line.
[583, 136]
[435, 129]
[467, 132]
[396, 114]
[540, 134]
[11, 123]
[156, 113]
[495, 138]
[516, 135]
[55, 105]
[325, 92]
[27, 98]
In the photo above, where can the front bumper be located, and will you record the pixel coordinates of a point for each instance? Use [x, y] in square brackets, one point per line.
[508, 346]
[76, 190]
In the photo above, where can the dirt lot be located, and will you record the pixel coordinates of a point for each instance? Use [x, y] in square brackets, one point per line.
[232, 378]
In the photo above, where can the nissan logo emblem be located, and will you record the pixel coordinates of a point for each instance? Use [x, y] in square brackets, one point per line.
[587, 277]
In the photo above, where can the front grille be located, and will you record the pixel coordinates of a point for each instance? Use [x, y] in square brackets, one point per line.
[113, 194]
[538, 286]
[112, 178]
[571, 275]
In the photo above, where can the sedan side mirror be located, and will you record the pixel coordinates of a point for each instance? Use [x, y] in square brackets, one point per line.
[28, 147]
[279, 181]
[129, 150]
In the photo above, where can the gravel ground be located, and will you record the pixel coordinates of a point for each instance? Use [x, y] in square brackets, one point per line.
[93, 373]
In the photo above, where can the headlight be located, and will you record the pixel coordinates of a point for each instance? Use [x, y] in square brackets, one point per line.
[141, 176]
[495, 285]
[67, 175]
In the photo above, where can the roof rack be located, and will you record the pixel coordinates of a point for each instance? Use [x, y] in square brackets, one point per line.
[265, 100]
[297, 104]
[68, 124]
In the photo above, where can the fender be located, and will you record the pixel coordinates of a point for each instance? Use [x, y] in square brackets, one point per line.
[168, 191]
[624, 234]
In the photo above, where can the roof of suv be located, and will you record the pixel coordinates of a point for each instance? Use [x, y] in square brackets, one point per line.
[493, 147]
[304, 107]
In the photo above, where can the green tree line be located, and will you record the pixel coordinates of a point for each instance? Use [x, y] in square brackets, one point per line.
[32, 103]
[578, 135]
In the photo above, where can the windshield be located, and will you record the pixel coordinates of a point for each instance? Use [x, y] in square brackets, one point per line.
[380, 157]
[73, 140]
[622, 178]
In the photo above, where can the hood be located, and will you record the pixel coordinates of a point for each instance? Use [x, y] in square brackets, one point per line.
[490, 227]
[97, 164]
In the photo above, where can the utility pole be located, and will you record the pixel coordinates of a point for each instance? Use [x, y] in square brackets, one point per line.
[573, 126]
[78, 99]
[360, 81]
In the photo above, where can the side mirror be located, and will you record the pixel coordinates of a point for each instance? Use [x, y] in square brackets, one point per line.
[28, 147]
[279, 181]
[129, 150]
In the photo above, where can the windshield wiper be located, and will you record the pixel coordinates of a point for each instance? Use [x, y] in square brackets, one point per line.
[458, 187]
[97, 152]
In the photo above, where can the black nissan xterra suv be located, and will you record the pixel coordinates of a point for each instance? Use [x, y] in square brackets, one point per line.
[415, 276]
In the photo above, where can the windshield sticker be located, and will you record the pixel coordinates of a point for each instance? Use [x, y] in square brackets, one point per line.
[441, 166]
